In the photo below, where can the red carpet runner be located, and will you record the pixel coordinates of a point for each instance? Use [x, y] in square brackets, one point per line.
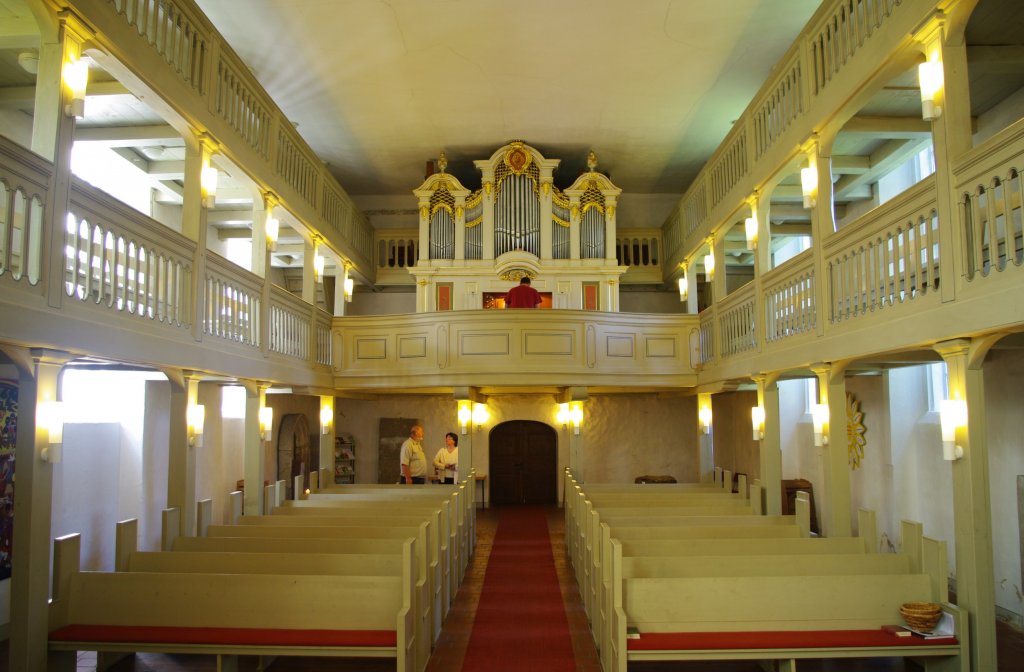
[520, 621]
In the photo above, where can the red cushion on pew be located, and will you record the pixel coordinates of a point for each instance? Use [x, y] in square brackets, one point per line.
[230, 636]
[784, 639]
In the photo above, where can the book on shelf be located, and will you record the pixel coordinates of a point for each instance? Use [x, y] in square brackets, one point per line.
[632, 632]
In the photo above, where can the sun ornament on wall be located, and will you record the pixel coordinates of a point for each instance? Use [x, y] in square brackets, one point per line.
[855, 431]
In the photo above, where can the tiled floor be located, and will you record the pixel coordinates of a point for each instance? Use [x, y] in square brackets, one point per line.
[451, 646]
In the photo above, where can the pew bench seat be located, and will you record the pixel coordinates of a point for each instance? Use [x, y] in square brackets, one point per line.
[789, 646]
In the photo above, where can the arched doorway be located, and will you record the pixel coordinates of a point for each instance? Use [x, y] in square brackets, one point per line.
[523, 463]
[293, 453]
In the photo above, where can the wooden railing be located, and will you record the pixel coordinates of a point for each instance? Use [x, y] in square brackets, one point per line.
[113, 270]
[118, 260]
[889, 258]
[738, 322]
[788, 299]
[194, 67]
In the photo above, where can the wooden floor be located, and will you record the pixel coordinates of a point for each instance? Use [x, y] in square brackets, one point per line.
[455, 636]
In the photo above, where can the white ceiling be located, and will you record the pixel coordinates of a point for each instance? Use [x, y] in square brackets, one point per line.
[379, 88]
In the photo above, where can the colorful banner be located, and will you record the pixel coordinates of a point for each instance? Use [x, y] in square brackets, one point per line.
[8, 437]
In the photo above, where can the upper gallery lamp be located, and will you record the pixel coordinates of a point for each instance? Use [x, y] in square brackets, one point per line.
[350, 286]
[273, 227]
[76, 77]
[50, 416]
[929, 75]
[820, 418]
[266, 422]
[809, 185]
[465, 414]
[757, 421]
[195, 417]
[704, 415]
[326, 418]
[952, 415]
[318, 264]
[750, 227]
[208, 184]
[709, 265]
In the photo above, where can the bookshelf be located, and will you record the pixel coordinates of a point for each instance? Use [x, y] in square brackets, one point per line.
[344, 459]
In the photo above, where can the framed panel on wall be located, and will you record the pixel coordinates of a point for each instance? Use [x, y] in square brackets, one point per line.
[591, 296]
[444, 296]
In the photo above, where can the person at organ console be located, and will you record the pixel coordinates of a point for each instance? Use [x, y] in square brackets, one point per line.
[522, 295]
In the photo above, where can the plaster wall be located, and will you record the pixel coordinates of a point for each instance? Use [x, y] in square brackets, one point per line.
[735, 448]
[1004, 397]
[87, 492]
[382, 303]
[156, 448]
[624, 436]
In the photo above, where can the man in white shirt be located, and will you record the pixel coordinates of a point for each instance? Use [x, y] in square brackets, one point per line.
[414, 462]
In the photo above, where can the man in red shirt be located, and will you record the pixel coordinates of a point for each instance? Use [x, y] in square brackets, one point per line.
[522, 296]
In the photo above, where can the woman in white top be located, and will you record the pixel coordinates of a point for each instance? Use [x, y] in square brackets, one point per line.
[446, 460]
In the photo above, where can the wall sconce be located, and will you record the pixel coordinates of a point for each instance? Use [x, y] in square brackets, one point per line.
[465, 414]
[267, 422]
[562, 416]
[76, 77]
[709, 266]
[208, 185]
[350, 286]
[952, 416]
[318, 267]
[326, 419]
[819, 418]
[50, 416]
[930, 79]
[480, 415]
[273, 228]
[576, 415]
[684, 287]
[809, 186]
[704, 415]
[757, 421]
[195, 417]
[750, 225]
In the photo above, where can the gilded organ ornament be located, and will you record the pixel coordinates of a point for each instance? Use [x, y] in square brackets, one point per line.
[855, 431]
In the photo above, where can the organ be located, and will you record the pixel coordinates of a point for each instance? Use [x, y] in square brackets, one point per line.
[480, 243]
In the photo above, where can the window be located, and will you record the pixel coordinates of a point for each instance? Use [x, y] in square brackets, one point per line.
[938, 385]
[232, 401]
[912, 171]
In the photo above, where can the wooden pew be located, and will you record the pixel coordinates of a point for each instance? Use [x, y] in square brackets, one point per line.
[227, 615]
[451, 538]
[782, 617]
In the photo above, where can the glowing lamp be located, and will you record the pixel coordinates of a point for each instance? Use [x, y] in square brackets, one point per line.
[750, 226]
[76, 77]
[480, 415]
[195, 418]
[576, 415]
[757, 421]
[273, 230]
[350, 286]
[683, 287]
[208, 184]
[809, 185]
[952, 416]
[50, 416]
[930, 78]
[318, 266]
[267, 422]
[704, 415]
[465, 414]
[326, 418]
[819, 418]
[709, 266]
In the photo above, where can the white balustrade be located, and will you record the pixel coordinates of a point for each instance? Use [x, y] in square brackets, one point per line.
[289, 324]
[233, 303]
[737, 322]
[788, 298]
[24, 182]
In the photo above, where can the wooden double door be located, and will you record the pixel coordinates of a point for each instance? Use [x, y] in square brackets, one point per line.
[523, 463]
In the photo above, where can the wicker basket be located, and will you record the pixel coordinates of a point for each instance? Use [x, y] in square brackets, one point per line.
[921, 616]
